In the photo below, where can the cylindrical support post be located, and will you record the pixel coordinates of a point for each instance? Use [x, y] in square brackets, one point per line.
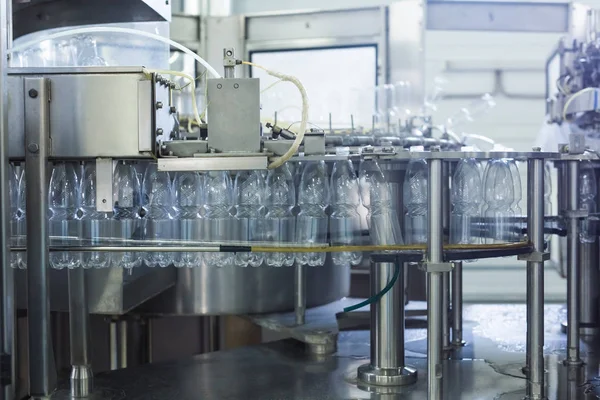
[118, 343]
[300, 294]
[589, 294]
[387, 331]
[446, 208]
[435, 255]
[42, 370]
[82, 377]
[535, 272]
[457, 304]
[573, 272]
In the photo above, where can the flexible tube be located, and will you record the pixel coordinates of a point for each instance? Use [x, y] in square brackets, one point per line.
[192, 84]
[279, 161]
[106, 29]
[378, 296]
[570, 100]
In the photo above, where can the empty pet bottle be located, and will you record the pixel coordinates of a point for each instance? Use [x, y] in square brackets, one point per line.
[588, 191]
[280, 224]
[466, 201]
[189, 200]
[218, 190]
[249, 193]
[21, 220]
[126, 218]
[62, 221]
[499, 198]
[415, 201]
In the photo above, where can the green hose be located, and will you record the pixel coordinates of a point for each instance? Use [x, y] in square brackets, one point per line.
[379, 295]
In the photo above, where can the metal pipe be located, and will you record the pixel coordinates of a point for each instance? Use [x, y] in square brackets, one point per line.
[300, 294]
[42, 373]
[82, 376]
[535, 270]
[435, 255]
[122, 343]
[573, 276]
[457, 304]
[589, 295]
[446, 275]
[113, 344]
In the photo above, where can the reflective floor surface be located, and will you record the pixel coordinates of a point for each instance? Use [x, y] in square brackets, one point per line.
[488, 368]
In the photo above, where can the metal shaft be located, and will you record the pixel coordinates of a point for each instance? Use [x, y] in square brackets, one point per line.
[446, 275]
[434, 281]
[589, 294]
[535, 271]
[457, 302]
[42, 373]
[82, 377]
[573, 275]
[387, 326]
[300, 293]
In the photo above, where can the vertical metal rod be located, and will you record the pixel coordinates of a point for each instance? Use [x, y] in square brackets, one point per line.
[300, 293]
[123, 344]
[457, 304]
[82, 377]
[113, 344]
[446, 275]
[573, 273]
[435, 254]
[42, 372]
[535, 270]
[385, 316]
[589, 293]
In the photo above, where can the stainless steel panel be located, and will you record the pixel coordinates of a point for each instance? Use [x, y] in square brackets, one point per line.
[234, 115]
[104, 184]
[212, 163]
[498, 16]
[144, 116]
[211, 291]
[92, 114]
[224, 32]
[110, 291]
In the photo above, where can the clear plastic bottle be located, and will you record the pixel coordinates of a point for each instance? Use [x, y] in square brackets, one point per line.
[218, 190]
[280, 223]
[63, 225]
[13, 190]
[499, 197]
[466, 201]
[516, 205]
[189, 201]
[344, 221]
[311, 222]
[468, 114]
[415, 201]
[21, 219]
[588, 190]
[96, 226]
[249, 193]
[376, 195]
[126, 218]
[159, 218]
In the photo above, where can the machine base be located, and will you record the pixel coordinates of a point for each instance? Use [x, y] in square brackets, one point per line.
[369, 375]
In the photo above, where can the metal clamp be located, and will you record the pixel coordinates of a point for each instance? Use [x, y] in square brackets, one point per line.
[436, 267]
[536, 256]
[575, 214]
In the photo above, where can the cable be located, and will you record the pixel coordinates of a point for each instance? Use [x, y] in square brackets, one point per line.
[106, 29]
[279, 161]
[378, 296]
[192, 83]
[573, 97]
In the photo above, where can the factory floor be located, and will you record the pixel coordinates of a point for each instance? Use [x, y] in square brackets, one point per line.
[488, 367]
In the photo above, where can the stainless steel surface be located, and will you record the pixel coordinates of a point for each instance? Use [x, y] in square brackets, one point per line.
[589, 293]
[487, 368]
[82, 377]
[498, 16]
[111, 291]
[435, 237]
[209, 291]
[104, 184]
[81, 120]
[457, 305]
[535, 287]
[446, 209]
[300, 293]
[213, 163]
[573, 275]
[386, 367]
[36, 15]
[234, 115]
[42, 374]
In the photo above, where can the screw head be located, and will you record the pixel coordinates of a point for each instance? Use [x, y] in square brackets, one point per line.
[229, 53]
[33, 147]
[236, 85]
[219, 86]
[103, 201]
[33, 93]
[159, 105]
[159, 131]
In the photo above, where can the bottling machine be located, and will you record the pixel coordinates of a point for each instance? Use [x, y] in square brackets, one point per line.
[118, 199]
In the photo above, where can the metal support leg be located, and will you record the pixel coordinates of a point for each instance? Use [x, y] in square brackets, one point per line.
[446, 208]
[82, 377]
[118, 344]
[435, 254]
[573, 276]
[300, 294]
[535, 272]
[457, 304]
[387, 332]
[42, 370]
[589, 295]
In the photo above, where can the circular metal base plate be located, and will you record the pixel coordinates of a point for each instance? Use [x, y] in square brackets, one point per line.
[367, 374]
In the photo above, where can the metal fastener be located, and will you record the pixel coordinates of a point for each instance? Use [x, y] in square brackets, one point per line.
[236, 85]
[33, 93]
[33, 147]
[159, 131]
[104, 201]
[537, 149]
[159, 105]
[219, 86]
[172, 110]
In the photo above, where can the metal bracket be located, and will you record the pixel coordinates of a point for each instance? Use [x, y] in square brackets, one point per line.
[575, 214]
[536, 256]
[104, 184]
[436, 267]
[314, 143]
[576, 143]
